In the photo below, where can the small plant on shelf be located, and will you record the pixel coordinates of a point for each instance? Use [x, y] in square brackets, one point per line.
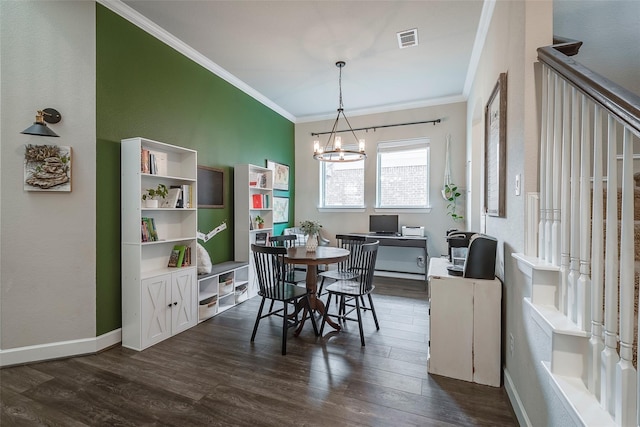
[260, 221]
[160, 191]
[452, 194]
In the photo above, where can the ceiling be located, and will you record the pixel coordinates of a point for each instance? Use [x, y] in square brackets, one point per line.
[286, 50]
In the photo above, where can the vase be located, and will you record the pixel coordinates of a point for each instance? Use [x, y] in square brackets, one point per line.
[312, 243]
[151, 203]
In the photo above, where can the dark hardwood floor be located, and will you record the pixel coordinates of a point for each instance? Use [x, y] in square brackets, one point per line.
[212, 375]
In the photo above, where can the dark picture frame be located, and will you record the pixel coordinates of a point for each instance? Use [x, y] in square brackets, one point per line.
[495, 149]
[280, 175]
[280, 209]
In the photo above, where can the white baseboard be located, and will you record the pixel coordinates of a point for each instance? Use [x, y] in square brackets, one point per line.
[516, 403]
[56, 350]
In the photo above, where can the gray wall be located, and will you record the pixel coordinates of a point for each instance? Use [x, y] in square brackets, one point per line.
[436, 222]
[47, 267]
[610, 31]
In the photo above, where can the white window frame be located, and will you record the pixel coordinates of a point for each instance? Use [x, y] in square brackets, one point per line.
[322, 205]
[401, 145]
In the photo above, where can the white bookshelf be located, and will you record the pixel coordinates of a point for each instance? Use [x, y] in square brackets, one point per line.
[251, 181]
[157, 301]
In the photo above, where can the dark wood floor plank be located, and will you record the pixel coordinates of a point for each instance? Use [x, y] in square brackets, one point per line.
[212, 375]
[22, 378]
[18, 410]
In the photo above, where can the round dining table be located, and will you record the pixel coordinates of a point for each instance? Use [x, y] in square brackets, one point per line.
[322, 255]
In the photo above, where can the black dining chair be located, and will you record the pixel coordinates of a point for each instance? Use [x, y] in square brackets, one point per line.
[347, 269]
[269, 269]
[355, 289]
[292, 274]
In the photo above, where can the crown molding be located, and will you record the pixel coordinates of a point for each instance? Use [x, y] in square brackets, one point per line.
[478, 44]
[387, 108]
[170, 40]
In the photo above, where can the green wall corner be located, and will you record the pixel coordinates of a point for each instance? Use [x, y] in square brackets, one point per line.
[146, 88]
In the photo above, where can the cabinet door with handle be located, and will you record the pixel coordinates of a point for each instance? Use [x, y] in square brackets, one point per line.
[184, 299]
[155, 311]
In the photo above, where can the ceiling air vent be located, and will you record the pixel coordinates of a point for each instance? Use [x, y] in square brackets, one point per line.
[408, 38]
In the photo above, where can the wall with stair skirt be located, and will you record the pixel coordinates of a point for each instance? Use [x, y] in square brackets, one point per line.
[516, 30]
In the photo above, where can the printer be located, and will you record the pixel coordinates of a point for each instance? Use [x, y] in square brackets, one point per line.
[412, 231]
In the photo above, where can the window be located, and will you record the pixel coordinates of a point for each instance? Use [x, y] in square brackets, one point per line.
[342, 184]
[403, 174]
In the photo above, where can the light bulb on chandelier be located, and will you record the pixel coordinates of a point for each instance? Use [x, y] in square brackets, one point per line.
[333, 150]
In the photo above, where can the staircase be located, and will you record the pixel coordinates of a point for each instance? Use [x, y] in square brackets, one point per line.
[584, 277]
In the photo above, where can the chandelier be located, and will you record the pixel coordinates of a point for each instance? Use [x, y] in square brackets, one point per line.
[333, 150]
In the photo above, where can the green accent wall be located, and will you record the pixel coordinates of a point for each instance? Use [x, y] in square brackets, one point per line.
[146, 88]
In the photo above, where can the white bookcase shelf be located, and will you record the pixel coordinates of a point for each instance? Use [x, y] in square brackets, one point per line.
[223, 288]
[251, 183]
[157, 301]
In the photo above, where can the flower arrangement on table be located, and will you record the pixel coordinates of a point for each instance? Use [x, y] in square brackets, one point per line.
[310, 228]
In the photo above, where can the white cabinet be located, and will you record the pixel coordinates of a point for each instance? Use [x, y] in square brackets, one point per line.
[464, 326]
[157, 301]
[253, 187]
[226, 286]
[167, 308]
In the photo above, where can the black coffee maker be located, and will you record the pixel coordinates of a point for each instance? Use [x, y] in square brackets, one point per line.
[458, 242]
[481, 257]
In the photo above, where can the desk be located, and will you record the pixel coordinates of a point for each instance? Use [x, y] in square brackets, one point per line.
[322, 255]
[399, 254]
[464, 326]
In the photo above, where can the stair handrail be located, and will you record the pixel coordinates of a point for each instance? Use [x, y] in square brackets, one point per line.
[623, 103]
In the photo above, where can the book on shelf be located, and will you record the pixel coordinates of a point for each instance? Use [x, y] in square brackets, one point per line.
[173, 257]
[257, 179]
[261, 238]
[254, 179]
[171, 201]
[257, 201]
[180, 249]
[187, 257]
[180, 256]
[149, 231]
[187, 196]
[144, 160]
[158, 162]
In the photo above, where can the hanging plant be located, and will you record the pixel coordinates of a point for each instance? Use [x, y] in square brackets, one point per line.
[451, 194]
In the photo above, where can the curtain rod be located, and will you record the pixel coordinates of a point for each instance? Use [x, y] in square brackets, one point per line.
[379, 127]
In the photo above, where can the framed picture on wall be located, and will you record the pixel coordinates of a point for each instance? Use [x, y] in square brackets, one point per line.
[495, 125]
[47, 168]
[280, 175]
[280, 209]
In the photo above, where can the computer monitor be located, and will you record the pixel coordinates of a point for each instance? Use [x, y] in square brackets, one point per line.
[383, 224]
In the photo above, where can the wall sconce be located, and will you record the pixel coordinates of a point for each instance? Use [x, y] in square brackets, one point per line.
[39, 127]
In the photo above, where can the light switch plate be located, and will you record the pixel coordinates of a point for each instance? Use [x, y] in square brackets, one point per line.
[517, 184]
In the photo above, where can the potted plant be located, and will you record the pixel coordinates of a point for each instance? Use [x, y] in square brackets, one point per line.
[260, 221]
[152, 195]
[452, 194]
[311, 229]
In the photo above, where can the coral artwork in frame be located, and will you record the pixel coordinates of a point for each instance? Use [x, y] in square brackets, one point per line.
[47, 168]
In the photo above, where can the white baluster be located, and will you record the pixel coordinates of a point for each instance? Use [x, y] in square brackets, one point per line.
[548, 194]
[584, 281]
[596, 344]
[543, 161]
[609, 354]
[574, 258]
[626, 396]
[557, 158]
[565, 229]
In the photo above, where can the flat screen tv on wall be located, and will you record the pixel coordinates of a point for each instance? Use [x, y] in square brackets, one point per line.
[210, 187]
